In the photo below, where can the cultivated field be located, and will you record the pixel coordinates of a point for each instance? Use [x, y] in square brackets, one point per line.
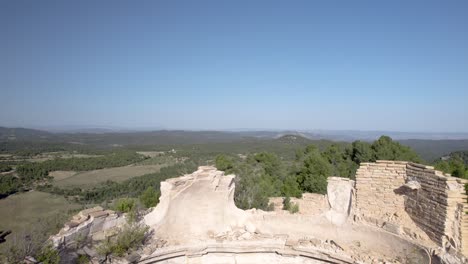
[88, 179]
[20, 212]
[45, 156]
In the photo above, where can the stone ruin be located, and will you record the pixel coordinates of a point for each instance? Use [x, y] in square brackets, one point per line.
[94, 223]
[394, 212]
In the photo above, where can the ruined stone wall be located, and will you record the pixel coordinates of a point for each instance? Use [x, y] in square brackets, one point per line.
[309, 203]
[375, 188]
[434, 207]
[94, 223]
[409, 196]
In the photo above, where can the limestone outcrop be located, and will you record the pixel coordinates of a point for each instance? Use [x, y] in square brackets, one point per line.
[197, 206]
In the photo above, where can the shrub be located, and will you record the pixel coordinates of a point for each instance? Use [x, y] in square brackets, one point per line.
[48, 255]
[286, 203]
[83, 259]
[291, 207]
[224, 163]
[131, 237]
[125, 205]
[294, 208]
[150, 197]
[5, 167]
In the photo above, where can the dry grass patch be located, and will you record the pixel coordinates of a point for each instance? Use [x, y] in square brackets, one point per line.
[61, 175]
[89, 179]
[24, 210]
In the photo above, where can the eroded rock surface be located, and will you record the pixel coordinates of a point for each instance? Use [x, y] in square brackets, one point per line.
[340, 196]
[195, 206]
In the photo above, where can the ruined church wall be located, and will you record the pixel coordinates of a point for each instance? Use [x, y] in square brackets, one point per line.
[376, 185]
[434, 207]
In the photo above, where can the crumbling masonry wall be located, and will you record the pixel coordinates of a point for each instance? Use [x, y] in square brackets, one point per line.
[433, 200]
[375, 188]
[435, 206]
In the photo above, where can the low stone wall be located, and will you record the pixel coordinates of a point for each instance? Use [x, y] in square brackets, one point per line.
[309, 204]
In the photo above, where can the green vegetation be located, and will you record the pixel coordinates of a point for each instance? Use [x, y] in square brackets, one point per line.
[125, 205]
[131, 237]
[286, 166]
[387, 149]
[48, 255]
[32, 217]
[89, 179]
[289, 206]
[224, 163]
[456, 164]
[262, 175]
[132, 188]
[5, 167]
[150, 197]
[32, 173]
[430, 150]
[314, 171]
[294, 208]
[37, 171]
[9, 184]
[83, 259]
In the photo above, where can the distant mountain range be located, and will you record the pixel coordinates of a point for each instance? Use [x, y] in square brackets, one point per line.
[429, 145]
[336, 135]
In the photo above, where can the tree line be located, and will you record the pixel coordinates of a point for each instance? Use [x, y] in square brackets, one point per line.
[30, 173]
[456, 164]
[263, 175]
[133, 188]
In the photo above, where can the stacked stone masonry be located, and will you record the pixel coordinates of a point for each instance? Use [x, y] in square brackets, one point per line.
[436, 202]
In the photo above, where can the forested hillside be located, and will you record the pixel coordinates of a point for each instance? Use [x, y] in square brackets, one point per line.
[30, 141]
[431, 150]
[456, 164]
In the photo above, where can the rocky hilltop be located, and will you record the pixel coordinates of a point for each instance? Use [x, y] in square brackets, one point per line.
[395, 212]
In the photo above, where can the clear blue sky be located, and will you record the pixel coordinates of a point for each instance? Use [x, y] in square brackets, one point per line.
[373, 65]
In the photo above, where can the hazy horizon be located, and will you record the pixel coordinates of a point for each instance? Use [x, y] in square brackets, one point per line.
[97, 128]
[210, 65]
